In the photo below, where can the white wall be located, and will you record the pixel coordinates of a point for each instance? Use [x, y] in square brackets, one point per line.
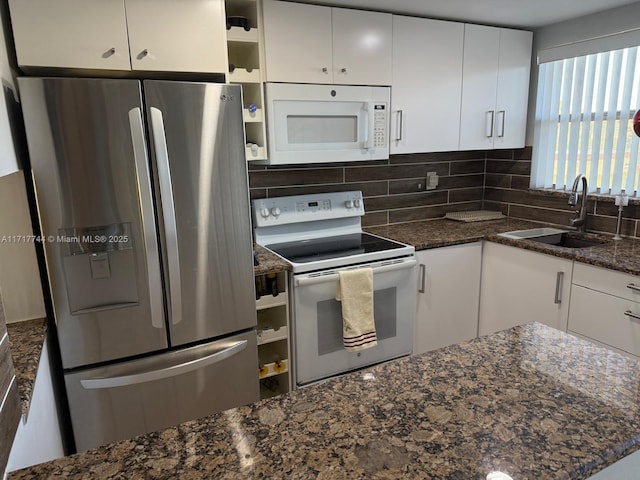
[615, 20]
[19, 274]
[38, 438]
[8, 160]
[19, 277]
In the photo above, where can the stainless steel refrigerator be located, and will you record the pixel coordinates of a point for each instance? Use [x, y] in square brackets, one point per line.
[143, 203]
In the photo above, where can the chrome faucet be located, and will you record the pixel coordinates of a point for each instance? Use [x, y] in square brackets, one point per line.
[580, 220]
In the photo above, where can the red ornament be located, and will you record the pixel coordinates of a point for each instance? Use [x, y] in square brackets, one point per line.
[636, 123]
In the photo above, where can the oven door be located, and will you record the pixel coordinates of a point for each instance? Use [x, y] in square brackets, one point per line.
[317, 320]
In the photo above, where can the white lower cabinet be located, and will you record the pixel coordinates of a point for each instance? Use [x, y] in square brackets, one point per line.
[449, 291]
[520, 286]
[605, 307]
[274, 369]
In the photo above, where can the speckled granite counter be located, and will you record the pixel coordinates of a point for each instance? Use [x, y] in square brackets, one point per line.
[26, 340]
[530, 401]
[268, 262]
[623, 255]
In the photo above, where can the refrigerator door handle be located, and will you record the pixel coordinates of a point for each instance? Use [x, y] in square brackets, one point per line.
[169, 213]
[148, 223]
[167, 372]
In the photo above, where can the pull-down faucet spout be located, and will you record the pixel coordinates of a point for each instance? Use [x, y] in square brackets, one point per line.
[580, 220]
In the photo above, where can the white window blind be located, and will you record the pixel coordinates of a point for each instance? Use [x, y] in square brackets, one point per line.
[583, 122]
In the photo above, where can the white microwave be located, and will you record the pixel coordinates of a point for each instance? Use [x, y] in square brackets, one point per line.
[326, 123]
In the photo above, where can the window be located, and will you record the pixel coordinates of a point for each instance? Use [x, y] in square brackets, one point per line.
[584, 122]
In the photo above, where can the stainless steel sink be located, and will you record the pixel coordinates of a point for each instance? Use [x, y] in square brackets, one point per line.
[556, 236]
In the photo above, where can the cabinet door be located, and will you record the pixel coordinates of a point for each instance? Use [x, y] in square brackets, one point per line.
[427, 81]
[184, 36]
[297, 40]
[520, 286]
[362, 47]
[479, 81]
[89, 34]
[513, 88]
[605, 318]
[448, 305]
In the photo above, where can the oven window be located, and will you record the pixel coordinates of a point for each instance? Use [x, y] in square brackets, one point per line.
[312, 129]
[330, 320]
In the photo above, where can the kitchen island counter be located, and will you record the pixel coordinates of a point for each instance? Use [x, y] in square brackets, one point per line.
[531, 402]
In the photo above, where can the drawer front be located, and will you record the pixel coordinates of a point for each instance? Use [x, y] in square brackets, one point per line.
[608, 281]
[602, 317]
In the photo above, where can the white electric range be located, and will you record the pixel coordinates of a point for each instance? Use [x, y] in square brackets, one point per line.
[319, 235]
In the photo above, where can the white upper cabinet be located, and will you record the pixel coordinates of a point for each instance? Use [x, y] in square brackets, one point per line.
[88, 34]
[427, 85]
[362, 47]
[495, 87]
[160, 35]
[298, 42]
[317, 44]
[183, 36]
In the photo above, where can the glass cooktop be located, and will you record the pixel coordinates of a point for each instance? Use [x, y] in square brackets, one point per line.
[306, 251]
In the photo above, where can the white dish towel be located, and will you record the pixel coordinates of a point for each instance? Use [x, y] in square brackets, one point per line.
[355, 292]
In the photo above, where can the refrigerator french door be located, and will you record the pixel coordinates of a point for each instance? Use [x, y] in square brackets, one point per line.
[143, 204]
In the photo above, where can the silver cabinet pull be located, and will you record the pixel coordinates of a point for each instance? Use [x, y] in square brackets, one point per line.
[167, 372]
[635, 288]
[144, 52]
[399, 125]
[629, 313]
[168, 213]
[501, 116]
[141, 158]
[559, 279]
[488, 126]
[423, 278]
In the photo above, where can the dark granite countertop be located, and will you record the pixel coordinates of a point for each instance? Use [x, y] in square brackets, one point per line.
[622, 255]
[531, 402]
[26, 340]
[268, 262]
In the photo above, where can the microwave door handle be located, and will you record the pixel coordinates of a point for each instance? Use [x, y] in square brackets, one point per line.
[367, 140]
[148, 223]
[168, 212]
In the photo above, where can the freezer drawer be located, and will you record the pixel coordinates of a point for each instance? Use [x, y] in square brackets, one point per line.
[127, 399]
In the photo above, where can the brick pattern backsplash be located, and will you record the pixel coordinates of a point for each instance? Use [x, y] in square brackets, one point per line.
[394, 191]
[507, 189]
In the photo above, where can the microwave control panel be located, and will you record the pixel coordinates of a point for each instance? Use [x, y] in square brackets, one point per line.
[379, 125]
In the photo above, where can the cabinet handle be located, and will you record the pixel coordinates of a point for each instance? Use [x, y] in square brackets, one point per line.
[633, 287]
[488, 123]
[502, 115]
[399, 125]
[423, 278]
[325, 70]
[108, 53]
[343, 70]
[629, 313]
[559, 279]
[143, 53]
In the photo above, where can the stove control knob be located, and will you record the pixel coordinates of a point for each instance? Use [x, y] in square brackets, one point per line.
[264, 211]
[348, 204]
[356, 203]
[275, 211]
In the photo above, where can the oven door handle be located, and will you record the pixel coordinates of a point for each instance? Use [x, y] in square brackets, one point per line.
[333, 277]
